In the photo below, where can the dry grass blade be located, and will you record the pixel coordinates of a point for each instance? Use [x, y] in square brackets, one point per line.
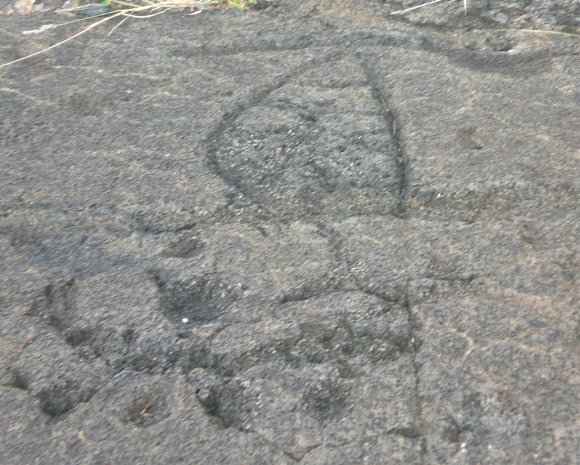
[432, 2]
[141, 9]
[416, 7]
[62, 42]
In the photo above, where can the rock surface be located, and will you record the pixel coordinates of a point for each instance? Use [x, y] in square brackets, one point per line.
[531, 14]
[314, 234]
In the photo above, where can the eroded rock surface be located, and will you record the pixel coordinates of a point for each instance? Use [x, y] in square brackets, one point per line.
[310, 234]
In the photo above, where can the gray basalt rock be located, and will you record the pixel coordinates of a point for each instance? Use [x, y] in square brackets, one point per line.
[315, 233]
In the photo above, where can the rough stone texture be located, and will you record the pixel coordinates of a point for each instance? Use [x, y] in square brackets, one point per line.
[307, 234]
[531, 14]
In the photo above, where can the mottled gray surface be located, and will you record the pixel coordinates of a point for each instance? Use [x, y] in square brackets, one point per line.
[527, 14]
[308, 234]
